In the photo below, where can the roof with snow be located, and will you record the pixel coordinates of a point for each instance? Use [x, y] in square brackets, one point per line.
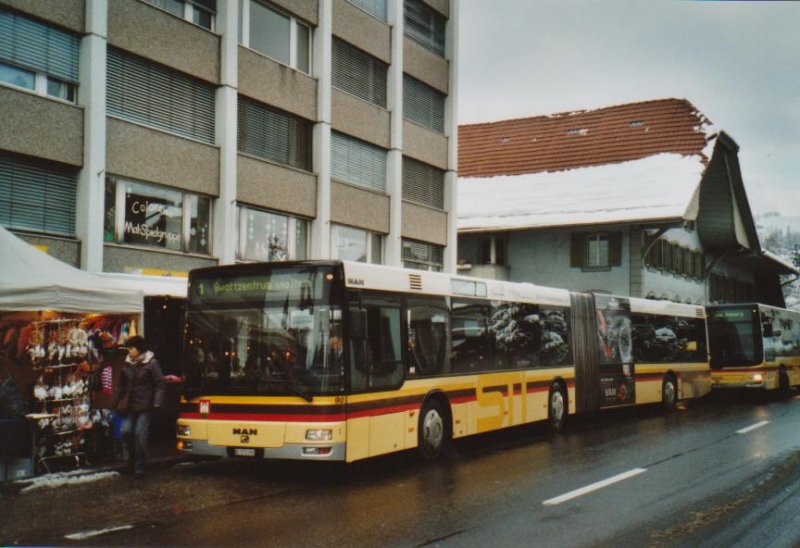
[636, 162]
[579, 139]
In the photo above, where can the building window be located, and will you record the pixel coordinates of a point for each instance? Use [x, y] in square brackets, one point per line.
[38, 57]
[358, 73]
[422, 256]
[599, 251]
[483, 249]
[376, 8]
[153, 95]
[275, 135]
[423, 104]
[355, 244]
[276, 34]
[422, 183]
[199, 12]
[37, 197]
[357, 162]
[268, 236]
[155, 216]
[424, 25]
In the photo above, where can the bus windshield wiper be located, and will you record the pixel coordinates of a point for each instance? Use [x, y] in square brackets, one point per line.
[292, 388]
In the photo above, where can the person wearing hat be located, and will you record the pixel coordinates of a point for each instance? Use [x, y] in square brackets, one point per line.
[140, 392]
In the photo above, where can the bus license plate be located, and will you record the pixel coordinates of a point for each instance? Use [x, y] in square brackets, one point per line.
[244, 452]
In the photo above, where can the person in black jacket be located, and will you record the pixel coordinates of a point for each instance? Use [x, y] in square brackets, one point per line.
[140, 393]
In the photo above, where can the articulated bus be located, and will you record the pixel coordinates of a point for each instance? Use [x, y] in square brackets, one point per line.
[340, 361]
[754, 346]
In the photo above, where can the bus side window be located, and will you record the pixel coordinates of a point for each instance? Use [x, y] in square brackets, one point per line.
[428, 330]
[471, 343]
[376, 359]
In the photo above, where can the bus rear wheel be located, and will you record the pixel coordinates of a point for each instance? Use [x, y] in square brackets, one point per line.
[432, 433]
[669, 393]
[556, 408]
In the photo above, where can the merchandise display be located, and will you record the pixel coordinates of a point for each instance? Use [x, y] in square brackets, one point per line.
[57, 363]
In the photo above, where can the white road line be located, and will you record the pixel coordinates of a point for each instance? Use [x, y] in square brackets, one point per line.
[594, 487]
[89, 534]
[752, 427]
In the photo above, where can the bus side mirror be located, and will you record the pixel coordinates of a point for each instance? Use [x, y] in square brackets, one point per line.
[358, 325]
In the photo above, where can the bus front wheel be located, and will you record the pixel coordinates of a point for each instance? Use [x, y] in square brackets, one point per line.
[669, 393]
[433, 433]
[556, 408]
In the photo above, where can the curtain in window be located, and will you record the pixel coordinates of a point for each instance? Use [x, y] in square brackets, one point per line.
[358, 162]
[358, 73]
[423, 183]
[38, 198]
[156, 96]
[274, 135]
[423, 104]
[30, 44]
[422, 256]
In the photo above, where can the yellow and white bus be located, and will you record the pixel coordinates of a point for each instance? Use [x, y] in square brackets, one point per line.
[754, 346]
[329, 360]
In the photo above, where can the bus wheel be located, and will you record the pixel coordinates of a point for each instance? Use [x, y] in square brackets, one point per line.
[669, 393]
[432, 435]
[783, 383]
[556, 408]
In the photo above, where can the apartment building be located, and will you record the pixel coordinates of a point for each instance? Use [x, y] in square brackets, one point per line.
[158, 136]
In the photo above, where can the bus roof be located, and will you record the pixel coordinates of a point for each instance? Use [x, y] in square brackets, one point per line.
[387, 278]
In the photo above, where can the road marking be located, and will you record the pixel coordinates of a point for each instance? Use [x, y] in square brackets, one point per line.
[752, 427]
[89, 534]
[594, 487]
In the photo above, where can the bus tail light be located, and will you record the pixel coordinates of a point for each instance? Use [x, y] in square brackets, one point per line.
[184, 445]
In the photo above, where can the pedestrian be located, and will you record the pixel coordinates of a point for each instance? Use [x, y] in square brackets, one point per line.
[140, 393]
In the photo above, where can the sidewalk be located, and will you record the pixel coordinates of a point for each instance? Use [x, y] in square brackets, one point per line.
[163, 455]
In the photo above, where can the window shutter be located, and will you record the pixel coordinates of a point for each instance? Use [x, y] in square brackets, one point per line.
[615, 249]
[357, 162]
[144, 92]
[423, 104]
[36, 198]
[577, 252]
[30, 44]
[274, 135]
[424, 26]
[377, 8]
[358, 73]
[423, 183]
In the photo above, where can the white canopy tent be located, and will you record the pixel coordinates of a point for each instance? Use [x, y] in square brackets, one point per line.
[31, 280]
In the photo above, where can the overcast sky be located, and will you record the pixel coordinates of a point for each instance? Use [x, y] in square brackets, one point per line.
[738, 62]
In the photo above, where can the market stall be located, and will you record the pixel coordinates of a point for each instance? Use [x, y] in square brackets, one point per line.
[59, 331]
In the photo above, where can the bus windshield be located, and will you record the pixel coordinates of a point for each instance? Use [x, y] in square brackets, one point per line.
[734, 337]
[265, 330]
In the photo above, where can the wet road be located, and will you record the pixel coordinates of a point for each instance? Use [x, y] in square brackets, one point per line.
[721, 471]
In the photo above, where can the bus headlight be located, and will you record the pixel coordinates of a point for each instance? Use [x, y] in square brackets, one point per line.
[184, 430]
[319, 435]
[758, 377]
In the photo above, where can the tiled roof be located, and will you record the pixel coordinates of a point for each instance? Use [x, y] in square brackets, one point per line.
[581, 139]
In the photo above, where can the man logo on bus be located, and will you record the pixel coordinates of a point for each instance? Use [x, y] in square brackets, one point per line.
[245, 433]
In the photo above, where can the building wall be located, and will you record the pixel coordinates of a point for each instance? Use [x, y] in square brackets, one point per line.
[543, 257]
[84, 135]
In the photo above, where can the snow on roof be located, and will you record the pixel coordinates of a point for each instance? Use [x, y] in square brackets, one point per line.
[781, 261]
[657, 187]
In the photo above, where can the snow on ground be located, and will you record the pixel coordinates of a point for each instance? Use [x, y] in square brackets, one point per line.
[657, 187]
[58, 479]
